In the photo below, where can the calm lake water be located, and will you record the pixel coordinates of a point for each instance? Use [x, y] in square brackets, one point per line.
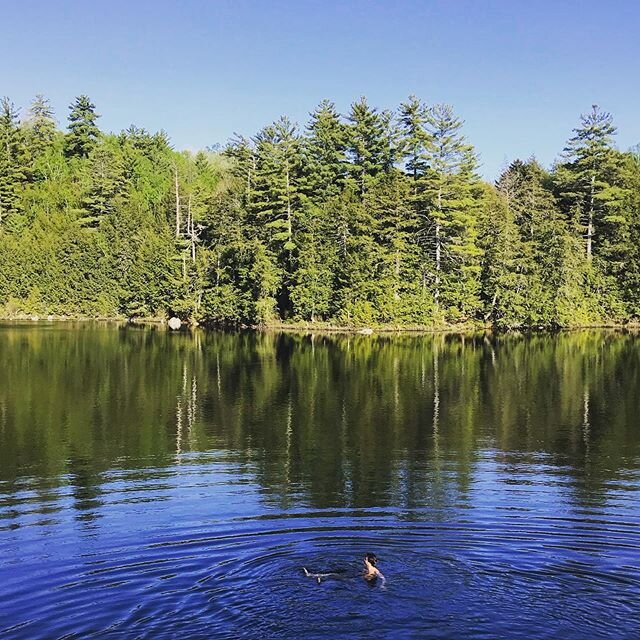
[161, 485]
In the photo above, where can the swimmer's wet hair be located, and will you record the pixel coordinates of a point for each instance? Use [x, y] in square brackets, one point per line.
[371, 557]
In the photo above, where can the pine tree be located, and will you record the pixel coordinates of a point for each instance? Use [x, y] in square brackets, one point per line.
[359, 266]
[276, 200]
[588, 182]
[40, 127]
[265, 278]
[227, 295]
[311, 289]
[277, 182]
[398, 276]
[242, 152]
[629, 271]
[370, 143]
[324, 151]
[449, 197]
[505, 284]
[106, 182]
[359, 221]
[416, 142]
[519, 235]
[83, 131]
[12, 160]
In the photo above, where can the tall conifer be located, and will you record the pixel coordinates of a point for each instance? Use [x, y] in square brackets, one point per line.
[589, 182]
[83, 131]
[12, 160]
[325, 161]
[40, 127]
[370, 143]
[451, 205]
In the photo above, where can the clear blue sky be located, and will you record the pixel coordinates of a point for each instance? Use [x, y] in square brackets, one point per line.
[519, 72]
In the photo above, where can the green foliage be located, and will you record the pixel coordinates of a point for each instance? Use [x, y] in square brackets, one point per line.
[365, 219]
[590, 185]
[324, 150]
[369, 144]
[83, 131]
[40, 128]
[449, 203]
[12, 160]
[311, 290]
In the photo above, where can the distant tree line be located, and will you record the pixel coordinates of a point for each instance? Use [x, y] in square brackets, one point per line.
[373, 217]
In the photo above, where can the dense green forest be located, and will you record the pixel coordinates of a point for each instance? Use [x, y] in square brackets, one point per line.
[373, 217]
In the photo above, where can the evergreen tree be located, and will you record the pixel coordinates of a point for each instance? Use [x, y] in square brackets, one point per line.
[588, 182]
[227, 296]
[450, 200]
[360, 270]
[277, 191]
[518, 237]
[83, 131]
[243, 153]
[311, 290]
[40, 127]
[319, 226]
[416, 141]
[12, 160]
[199, 185]
[265, 280]
[505, 284]
[370, 144]
[399, 292]
[106, 182]
[629, 268]
[324, 154]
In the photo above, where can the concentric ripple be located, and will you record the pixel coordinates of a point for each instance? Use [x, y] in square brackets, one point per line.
[196, 550]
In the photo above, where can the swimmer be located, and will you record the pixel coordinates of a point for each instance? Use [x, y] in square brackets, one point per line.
[371, 571]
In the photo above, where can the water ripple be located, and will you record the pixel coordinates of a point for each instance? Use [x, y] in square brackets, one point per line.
[196, 549]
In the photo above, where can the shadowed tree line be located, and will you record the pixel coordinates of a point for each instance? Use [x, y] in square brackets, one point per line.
[370, 217]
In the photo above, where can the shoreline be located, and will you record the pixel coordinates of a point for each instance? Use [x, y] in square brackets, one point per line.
[323, 328]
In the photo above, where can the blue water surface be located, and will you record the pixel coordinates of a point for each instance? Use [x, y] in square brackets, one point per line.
[155, 485]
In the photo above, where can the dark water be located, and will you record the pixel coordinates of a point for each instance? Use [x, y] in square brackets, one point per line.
[157, 485]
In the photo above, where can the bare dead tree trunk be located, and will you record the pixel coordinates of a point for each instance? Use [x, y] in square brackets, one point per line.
[191, 229]
[590, 220]
[438, 262]
[493, 305]
[289, 224]
[396, 295]
[177, 193]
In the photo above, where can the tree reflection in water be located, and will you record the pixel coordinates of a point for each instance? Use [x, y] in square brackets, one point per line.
[324, 420]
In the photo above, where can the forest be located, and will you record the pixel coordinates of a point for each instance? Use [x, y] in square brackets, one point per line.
[369, 218]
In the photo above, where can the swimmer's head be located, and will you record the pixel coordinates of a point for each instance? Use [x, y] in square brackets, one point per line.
[371, 558]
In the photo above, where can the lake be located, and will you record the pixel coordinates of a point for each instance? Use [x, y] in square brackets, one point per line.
[174, 485]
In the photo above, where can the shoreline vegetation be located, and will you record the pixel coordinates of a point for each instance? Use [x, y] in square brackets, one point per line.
[373, 220]
[321, 328]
